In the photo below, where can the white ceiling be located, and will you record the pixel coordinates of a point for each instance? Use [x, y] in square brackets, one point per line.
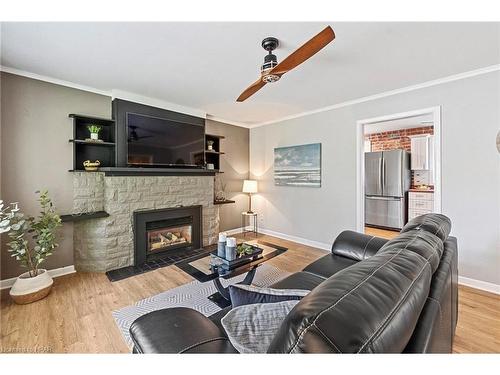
[207, 65]
[400, 123]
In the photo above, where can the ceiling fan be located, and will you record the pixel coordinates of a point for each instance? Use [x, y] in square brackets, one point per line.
[271, 71]
[133, 136]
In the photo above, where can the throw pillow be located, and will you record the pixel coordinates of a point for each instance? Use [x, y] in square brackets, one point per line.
[249, 294]
[251, 328]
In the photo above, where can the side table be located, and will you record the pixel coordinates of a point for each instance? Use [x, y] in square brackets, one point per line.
[252, 216]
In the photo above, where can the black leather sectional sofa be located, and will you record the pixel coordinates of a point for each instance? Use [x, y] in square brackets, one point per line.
[369, 295]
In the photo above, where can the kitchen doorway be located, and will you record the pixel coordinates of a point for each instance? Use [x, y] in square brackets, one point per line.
[398, 170]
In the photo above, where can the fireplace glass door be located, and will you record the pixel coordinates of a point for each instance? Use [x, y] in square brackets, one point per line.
[169, 234]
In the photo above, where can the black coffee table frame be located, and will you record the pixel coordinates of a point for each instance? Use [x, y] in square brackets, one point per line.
[221, 298]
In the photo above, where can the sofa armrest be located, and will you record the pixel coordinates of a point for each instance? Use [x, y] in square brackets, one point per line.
[357, 246]
[178, 330]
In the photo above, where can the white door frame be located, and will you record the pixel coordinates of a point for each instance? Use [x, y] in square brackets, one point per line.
[360, 159]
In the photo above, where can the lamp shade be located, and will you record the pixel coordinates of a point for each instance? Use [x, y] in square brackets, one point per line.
[249, 186]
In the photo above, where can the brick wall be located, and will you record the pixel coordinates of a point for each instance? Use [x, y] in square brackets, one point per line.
[396, 139]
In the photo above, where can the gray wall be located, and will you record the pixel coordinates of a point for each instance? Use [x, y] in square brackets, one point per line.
[470, 169]
[235, 164]
[35, 153]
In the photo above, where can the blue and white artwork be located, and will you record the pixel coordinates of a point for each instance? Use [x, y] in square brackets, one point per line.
[298, 165]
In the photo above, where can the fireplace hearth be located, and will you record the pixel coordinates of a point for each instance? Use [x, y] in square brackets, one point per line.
[166, 232]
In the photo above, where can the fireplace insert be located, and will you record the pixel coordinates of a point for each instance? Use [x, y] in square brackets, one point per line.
[166, 232]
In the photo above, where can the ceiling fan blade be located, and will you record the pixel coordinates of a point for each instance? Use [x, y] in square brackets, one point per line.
[308, 49]
[252, 89]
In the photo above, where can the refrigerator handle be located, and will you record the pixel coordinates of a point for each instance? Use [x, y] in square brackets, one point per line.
[380, 175]
[383, 176]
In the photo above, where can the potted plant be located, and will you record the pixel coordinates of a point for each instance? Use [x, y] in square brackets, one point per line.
[32, 240]
[94, 131]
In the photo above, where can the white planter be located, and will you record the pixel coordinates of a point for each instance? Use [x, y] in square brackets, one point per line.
[28, 289]
[94, 136]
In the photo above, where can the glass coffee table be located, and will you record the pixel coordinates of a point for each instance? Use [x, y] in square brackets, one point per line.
[204, 267]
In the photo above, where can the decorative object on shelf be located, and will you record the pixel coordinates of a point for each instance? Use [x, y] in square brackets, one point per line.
[91, 166]
[210, 166]
[250, 187]
[210, 145]
[298, 165]
[221, 245]
[32, 240]
[94, 131]
[219, 189]
[230, 248]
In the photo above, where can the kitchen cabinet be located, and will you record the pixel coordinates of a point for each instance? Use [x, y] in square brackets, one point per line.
[422, 152]
[420, 203]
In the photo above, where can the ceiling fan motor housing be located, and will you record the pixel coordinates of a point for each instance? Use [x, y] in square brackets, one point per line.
[270, 60]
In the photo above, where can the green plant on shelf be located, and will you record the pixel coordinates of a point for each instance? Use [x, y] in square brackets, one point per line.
[94, 129]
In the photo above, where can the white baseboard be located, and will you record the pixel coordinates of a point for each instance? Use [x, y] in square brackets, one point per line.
[230, 232]
[478, 284]
[303, 241]
[7, 283]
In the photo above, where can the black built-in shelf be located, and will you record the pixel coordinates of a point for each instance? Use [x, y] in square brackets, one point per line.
[227, 201]
[83, 216]
[88, 150]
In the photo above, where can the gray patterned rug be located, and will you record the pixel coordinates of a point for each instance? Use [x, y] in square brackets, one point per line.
[193, 295]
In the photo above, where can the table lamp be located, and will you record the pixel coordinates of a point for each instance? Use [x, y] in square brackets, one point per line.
[250, 187]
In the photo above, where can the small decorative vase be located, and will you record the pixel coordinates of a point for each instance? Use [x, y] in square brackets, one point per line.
[28, 289]
[94, 136]
[231, 248]
[210, 145]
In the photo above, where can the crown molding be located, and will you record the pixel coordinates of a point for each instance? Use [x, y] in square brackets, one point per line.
[230, 122]
[439, 81]
[55, 81]
[200, 113]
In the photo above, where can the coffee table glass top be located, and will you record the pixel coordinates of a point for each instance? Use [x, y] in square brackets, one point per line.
[204, 268]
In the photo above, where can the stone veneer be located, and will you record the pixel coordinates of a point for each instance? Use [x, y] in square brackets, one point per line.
[105, 244]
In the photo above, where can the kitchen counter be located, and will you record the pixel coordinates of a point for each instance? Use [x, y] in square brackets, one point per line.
[422, 190]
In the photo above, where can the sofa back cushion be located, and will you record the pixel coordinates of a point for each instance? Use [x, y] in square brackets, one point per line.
[373, 306]
[420, 242]
[436, 224]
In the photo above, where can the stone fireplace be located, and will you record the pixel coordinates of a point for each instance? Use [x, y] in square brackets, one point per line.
[164, 232]
[106, 244]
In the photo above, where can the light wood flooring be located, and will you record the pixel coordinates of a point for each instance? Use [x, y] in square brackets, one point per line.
[384, 233]
[76, 316]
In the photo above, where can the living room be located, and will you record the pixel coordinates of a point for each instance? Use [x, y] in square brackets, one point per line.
[157, 202]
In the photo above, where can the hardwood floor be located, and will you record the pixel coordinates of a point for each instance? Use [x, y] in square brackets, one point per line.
[384, 233]
[76, 316]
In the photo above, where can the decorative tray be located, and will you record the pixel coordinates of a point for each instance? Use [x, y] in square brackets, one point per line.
[240, 259]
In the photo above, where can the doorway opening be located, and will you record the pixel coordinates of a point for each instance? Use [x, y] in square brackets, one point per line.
[398, 170]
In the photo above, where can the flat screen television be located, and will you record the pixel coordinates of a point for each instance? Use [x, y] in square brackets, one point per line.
[161, 142]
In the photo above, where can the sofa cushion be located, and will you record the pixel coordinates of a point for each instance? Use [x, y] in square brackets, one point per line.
[437, 224]
[329, 265]
[250, 294]
[178, 330]
[299, 280]
[373, 306]
[251, 328]
[420, 242]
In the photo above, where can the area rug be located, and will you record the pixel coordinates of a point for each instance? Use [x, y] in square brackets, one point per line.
[193, 295]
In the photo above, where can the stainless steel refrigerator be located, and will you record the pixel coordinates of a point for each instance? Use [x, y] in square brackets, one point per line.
[387, 180]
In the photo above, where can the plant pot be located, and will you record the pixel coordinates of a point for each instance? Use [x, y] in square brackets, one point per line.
[94, 136]
[28, 289]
